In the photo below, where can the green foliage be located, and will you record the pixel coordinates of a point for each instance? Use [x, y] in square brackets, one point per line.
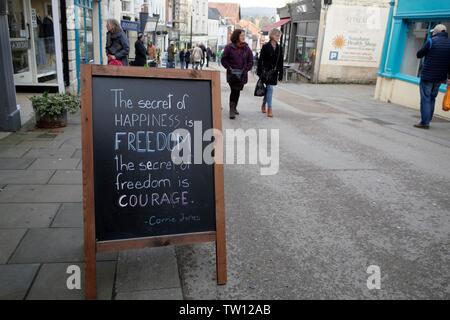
[55, 104]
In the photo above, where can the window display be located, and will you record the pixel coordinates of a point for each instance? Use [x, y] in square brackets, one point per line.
[19, 41]
[418, 33]
[85, 34]
[32, 41]
[306, 47]
[44, 41]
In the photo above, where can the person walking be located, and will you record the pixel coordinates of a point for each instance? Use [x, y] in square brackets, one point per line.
[182, 56]
[270, 68]
[219, 57]
[171, 56]
[202, 62]
[151, 54]
[187, 57]
[197, 57]
[117, 45]
[238, 60]
[141, 53]
[435, 71]
[208, 56]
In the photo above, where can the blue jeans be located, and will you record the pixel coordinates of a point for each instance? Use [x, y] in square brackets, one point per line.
[268, 97]
[428, 93]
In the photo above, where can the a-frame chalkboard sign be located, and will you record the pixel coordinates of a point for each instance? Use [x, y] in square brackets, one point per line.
[134, 194]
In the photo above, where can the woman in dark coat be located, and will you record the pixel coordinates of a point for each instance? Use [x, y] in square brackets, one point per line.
[187, 58]
[141, 53]
[182, 55]
[117, 46]
[270, 68]
[238, 60]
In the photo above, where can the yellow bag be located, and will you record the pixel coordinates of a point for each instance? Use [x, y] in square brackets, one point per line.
[446, 102]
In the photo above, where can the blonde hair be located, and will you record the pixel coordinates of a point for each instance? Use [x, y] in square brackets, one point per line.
[274, 32]
[115, 26]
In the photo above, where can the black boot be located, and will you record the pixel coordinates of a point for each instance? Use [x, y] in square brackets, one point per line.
[232, 110]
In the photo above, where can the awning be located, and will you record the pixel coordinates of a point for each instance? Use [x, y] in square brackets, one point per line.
[277, 24]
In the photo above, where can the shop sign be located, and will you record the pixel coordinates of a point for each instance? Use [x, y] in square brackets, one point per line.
[19, 44]
[33, 18]
[354, 36]
[129, 25]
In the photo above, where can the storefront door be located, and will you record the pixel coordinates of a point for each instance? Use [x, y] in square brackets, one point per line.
[20, 41]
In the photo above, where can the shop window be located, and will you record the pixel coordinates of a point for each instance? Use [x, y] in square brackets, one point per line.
[312, 29]
[418, 33]
[18, 35]
[85, 35]
[301, 29]
[32, 41]
[126, 6]
[306, 55]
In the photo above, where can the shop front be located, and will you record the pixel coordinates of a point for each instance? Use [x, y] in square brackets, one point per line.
[50, 39]
[305, 30]
[300, 28]
[409, 28]
[33, 28]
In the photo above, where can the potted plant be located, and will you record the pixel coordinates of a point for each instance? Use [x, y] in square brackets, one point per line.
[51, 110]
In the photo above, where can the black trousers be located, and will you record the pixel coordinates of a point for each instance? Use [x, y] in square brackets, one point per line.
[235, 92]
[234, 96]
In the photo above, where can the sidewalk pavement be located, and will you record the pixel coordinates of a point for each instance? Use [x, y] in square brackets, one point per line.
[41, 200]
[41, 224]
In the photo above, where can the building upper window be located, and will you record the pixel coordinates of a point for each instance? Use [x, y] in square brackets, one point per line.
[126, 6]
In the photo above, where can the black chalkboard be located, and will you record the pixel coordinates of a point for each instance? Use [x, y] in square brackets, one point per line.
[139, 191]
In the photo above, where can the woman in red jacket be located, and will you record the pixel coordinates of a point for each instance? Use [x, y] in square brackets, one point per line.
[238, 60]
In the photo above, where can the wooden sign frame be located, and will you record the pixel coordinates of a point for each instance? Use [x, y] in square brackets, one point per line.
[91, 245]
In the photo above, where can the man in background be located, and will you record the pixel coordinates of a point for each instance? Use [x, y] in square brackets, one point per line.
[435, 71]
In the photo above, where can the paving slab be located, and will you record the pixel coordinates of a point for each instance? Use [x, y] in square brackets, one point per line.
[59, 164]
[27, 215]
[70, 215]
[9, 239]
[15, 163]
[147, 269]
[41, 193]
[40, 143]
[12, 139]
[67, 177]
[78, 154]
[25, 176]
[51, 282]
[72, 142]
[15, 280]
[50, 245]
[13, 152]
[50, 153]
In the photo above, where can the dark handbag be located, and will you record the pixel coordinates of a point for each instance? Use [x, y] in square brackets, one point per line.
[267, 75]
[260, 89]
[235, 75]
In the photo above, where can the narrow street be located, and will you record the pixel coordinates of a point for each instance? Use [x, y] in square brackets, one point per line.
[357, 186]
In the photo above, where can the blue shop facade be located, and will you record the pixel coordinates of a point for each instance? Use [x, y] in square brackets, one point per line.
[409, 26]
